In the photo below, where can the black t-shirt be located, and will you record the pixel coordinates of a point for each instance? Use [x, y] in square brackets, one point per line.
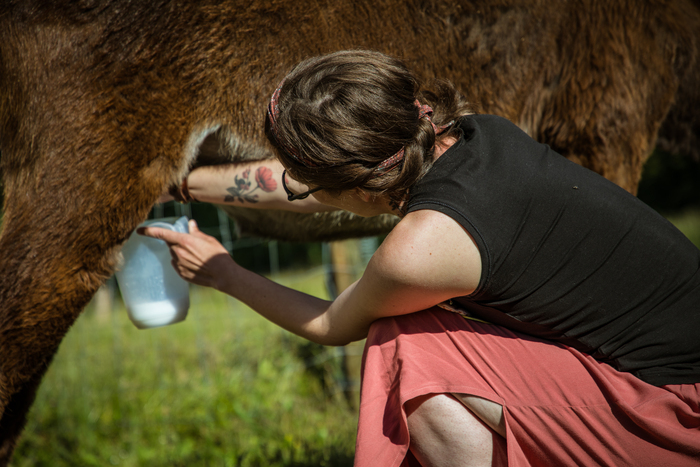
[568, 255]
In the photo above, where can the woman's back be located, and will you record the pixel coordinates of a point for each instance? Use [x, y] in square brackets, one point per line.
[567, 250]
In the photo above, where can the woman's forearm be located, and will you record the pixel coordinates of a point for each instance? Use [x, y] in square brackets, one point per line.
[297, 312]
[256, 185]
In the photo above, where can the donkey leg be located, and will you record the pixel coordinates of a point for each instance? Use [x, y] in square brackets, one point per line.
[44, 286]
[15, 415]
[48, 279]
[65, 220]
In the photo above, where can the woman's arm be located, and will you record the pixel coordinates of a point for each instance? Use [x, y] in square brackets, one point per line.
[428, 258]
[255, 184]
[202, 260]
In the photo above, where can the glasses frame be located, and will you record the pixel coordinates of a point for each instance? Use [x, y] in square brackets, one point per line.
[291, 196]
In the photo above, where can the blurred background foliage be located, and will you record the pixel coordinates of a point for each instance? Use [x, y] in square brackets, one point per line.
[670, 183]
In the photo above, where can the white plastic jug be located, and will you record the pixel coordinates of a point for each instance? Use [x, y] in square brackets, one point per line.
[153, 293]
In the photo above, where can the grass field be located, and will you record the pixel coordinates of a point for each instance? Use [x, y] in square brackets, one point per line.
[223, 388]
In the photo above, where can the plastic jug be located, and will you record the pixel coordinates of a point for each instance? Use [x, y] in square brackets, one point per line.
[153, 293]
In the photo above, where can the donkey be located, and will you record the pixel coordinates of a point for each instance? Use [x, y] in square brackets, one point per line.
[105, 103]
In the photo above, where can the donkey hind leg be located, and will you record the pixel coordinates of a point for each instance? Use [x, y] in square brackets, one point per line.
[48, 296]
[58, 250]
[15, 415]
[43, 288]
[54, 260]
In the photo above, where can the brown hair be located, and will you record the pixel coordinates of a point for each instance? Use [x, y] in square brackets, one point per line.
[347, 112]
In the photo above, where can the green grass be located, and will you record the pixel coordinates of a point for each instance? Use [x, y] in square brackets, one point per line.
[223, 388]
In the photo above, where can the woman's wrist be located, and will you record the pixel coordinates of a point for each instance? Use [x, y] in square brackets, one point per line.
[197, 183]
[227, 273]
[181, 193]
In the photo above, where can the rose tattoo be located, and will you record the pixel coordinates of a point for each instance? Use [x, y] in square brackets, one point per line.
[241, 190]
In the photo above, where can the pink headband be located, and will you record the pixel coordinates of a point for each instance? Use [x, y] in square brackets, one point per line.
[273, 112]
[382, 168]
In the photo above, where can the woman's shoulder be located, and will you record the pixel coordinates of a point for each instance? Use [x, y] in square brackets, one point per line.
[430, 249]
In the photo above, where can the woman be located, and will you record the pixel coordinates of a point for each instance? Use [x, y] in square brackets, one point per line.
[589, 355]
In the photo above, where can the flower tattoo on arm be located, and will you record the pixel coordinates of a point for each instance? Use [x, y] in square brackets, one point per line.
[242, 191]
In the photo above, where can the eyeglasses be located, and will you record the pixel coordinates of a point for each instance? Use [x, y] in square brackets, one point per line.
[291, 196]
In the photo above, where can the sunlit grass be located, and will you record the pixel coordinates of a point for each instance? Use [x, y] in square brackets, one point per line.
[225, 387]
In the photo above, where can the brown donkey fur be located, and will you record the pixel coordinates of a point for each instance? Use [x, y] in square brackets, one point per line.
[103, 104]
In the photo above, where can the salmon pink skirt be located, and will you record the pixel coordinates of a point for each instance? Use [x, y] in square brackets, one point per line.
[561, 407]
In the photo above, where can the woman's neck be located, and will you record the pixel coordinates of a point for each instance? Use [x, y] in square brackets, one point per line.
[443, 145]
[381, 204]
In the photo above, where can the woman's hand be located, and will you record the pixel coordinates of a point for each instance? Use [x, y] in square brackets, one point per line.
[197, 257]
